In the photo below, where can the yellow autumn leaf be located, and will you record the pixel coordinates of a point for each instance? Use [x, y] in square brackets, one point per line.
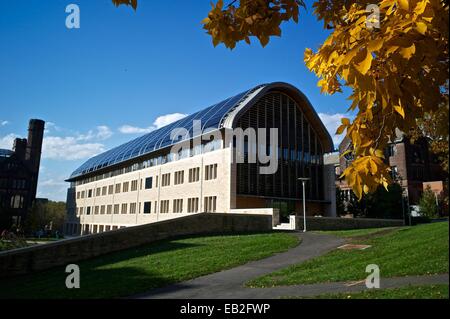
[408, 52]
[404, 4]
[399, 110]
[365, 64]
[421, 27]
[375, 45]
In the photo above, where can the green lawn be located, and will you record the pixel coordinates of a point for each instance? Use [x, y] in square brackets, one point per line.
[138, 270]
[409, 292]
[417, 250]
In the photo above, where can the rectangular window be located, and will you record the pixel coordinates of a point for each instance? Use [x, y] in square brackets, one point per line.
[179, 177]
[110, 189]
[134, 185]
[157, 179]
[104, 190]
[107, 228]
[148, 182]
[117, 188]
[210, 204]
[177, 205]
[133, 208]
[96, 210]
[156, 207]
[102, 210]
[116, 208]
[98, 192]
[90, 193]
[164, 206]
[194, 174]
[193, 205]
[165, 180]
[88, 210]
[210, 172]
[147, 207]
[78, 195]
[109, 209]
[125, 187]
[124, 208]
[83, 193]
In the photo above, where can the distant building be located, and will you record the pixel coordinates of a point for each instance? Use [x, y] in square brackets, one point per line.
[19, 171]
[142, 181]
[412, 165]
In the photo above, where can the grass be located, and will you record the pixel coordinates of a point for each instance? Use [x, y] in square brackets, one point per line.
[360, 232]
[137, 270]
[418, 250]
[409, 292]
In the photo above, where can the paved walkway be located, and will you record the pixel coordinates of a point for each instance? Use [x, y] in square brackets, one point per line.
[229, 284]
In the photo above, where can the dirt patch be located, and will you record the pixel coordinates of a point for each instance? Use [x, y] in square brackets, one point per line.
[377, 234]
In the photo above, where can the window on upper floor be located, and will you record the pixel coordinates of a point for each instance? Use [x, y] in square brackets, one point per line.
[148, 182]
[210, 172]
[179, 177]
[194, 174]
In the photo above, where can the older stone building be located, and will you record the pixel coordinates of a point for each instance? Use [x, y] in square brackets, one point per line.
[145, 181]
[19, 171]
[412, 165]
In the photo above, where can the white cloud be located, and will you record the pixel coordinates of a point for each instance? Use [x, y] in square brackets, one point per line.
[332, 122]
[7, 141]
[53, 188]
[74, 147]
[158, 123]
[3, 123]
[128, 129]
[101, 132]
[69, 148]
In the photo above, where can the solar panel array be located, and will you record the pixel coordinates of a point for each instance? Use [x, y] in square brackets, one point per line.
[210, 117]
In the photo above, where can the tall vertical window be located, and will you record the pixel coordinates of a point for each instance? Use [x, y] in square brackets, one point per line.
[211, 172]
[147, 207]
[194, 174]
[125, 187]
[177, 205]
[179, 177]
[165, 180]
[210, 204]
[148, 182]
[193, 205]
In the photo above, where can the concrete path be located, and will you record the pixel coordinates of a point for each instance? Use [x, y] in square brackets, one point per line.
[229, 284]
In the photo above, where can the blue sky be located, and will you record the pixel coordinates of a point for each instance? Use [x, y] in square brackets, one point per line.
[124, 73]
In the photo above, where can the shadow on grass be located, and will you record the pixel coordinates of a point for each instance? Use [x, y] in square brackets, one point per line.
[102, 277]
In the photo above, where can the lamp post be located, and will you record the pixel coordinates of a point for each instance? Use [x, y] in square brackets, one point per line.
[304, 180]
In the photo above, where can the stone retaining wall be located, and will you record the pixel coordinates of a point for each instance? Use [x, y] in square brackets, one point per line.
[336, 223]
[36, 258]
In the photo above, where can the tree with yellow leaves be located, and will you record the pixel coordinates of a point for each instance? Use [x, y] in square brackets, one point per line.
[393, 54]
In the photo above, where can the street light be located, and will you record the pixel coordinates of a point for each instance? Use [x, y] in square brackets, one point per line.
[304, 180]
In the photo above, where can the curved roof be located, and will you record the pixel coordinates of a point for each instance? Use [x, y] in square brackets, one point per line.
[222, 114]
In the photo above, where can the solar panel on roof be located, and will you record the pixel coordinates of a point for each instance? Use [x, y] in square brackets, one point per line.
[210, 117]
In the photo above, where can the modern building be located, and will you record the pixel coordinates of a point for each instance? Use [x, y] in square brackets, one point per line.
[412, 165]
[145, 180]
[19, 172]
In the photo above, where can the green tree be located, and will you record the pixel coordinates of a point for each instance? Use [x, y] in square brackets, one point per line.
[45, 214]
[427, 204]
